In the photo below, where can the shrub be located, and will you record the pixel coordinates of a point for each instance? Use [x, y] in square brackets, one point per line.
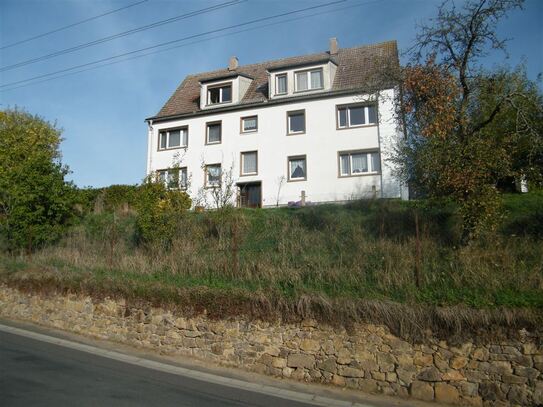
[159, 212]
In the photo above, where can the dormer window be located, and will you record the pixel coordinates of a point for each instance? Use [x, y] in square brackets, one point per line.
[309, 80]
[281, 84]
[219, 94]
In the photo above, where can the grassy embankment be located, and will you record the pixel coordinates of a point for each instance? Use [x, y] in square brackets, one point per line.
[336, 263]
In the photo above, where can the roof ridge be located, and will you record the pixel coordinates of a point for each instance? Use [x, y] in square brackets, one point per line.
[375, 45]
[358, 67]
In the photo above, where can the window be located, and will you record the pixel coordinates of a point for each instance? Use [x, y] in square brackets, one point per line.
[173, 178]
[219, 94]
[174, 138]
[356, 115]
[249, 124]
[249, 163]
[296, 122]
[281, 84]
[213, 175]
[359, 163]
[213, 132]
[309, 80]
[297, 168]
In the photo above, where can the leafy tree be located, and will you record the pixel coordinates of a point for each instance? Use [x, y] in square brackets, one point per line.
[35, 200]
[451, 109]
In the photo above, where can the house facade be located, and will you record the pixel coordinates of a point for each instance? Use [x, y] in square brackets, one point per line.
[315, 128]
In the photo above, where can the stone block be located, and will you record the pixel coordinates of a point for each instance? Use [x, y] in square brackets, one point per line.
[529, 348]
[347, 371]
[528, 372]
[512, 379]
[391, 377]
[310, 345]
[430, 374]
[301, 360]
[469, 389]
[446, 393]
[328, 365]
[279, 362]
[500, 367]
[423, 359]
[458, 362]
[480, 354]
[406, 375]
[453, 376]
[518, 395]
[378, 376]
[287, 371]
[422, 390]
[344, 356]
[368, 385]
[490, 391]
[338, 380]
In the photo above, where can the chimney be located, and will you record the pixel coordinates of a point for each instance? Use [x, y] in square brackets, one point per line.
[233, 64]
[333, 46]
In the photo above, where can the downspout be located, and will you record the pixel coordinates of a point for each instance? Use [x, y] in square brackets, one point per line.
[149, 147]
[379, 143]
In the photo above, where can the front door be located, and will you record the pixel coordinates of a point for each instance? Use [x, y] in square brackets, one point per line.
[250, 195]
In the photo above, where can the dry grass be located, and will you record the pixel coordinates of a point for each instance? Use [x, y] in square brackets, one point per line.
[340, 265]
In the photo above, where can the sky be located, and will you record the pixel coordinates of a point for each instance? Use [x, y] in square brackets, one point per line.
[102, 110]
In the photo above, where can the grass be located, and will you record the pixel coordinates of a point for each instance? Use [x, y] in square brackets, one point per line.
[337, 263]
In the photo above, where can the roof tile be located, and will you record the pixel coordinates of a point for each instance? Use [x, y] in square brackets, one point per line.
[358, 68]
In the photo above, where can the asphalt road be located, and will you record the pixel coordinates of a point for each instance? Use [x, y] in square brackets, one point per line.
[36, 373]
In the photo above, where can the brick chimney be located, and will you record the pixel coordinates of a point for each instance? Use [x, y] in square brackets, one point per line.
[233, 64]
[333, 46]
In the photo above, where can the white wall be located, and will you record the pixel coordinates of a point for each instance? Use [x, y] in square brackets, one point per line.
[320, 143]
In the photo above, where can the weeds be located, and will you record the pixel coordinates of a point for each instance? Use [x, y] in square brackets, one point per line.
[361, 262]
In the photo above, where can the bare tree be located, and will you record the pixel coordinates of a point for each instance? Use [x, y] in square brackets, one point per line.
[221, 192]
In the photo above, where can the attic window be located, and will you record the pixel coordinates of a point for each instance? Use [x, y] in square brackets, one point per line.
[309, 80]
[219, 94]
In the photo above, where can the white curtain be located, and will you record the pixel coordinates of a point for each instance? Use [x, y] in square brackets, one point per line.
[281, 84]
[345, 164]
[249, 124]
[301, 81]
[316, 79]
[249, 163]
[297, 168]
[359, 163]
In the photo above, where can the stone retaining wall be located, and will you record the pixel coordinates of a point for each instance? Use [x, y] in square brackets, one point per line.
[504, 373]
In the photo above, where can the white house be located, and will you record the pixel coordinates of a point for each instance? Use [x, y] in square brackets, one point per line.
[312, 128]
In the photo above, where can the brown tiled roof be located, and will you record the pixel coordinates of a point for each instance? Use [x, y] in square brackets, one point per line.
[357, 68]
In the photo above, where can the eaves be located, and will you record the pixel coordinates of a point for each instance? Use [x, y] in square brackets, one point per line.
[260, 104]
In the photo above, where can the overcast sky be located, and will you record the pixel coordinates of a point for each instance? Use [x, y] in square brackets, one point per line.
[102, 110]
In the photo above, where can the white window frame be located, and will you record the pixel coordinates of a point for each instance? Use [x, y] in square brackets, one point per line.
[289, 172]
[243, 124]
[181, 140]
[169, 172]
[220, 87]
[371, 170]
[242, 162]
[207, 184]
[309, 72]
[348, 108]
[281, 75]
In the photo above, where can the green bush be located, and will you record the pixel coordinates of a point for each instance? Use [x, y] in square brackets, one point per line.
[159, 213]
